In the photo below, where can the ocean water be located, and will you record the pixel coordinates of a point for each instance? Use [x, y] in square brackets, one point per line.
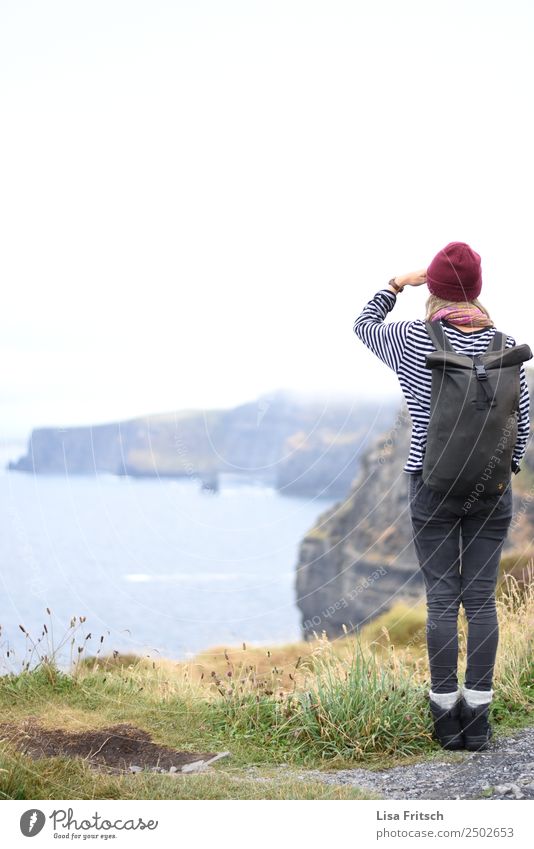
[157, 567]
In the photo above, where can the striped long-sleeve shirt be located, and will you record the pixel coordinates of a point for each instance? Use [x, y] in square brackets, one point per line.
[402, 346]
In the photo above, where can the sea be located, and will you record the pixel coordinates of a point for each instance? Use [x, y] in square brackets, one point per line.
[158, 568]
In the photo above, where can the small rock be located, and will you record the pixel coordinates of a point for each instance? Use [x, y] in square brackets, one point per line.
[515, 791]
[173, 769]
[196, 766]
[217, 757]
[509, 790]
[135, 768]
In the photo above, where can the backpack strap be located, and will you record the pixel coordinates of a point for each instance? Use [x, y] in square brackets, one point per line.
[441, 342]
[497, 343]
[437, 334]
[484, 395]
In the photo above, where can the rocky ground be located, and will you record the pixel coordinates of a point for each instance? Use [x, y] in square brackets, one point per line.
[504, 771]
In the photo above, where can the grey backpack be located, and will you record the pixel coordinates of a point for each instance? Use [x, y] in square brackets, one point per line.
[474, 409]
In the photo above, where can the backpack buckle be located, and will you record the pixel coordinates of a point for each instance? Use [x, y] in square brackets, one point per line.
[480, 370]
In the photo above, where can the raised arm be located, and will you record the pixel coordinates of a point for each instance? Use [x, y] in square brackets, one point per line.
[387, 341]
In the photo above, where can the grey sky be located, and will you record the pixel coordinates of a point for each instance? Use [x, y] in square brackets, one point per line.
[197, 198]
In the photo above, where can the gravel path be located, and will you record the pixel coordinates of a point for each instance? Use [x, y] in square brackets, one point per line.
[503, 771]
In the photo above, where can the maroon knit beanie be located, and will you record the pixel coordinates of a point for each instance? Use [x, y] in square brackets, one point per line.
[455, 273]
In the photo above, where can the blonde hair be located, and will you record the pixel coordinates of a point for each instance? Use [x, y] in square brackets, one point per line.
[433, 303]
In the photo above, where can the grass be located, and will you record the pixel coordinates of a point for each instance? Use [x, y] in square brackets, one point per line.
[322, 704]
[402, 626]
[356, 710]
[519, 566]
[63, 778]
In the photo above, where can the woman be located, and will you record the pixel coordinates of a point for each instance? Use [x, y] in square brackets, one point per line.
[458, 551]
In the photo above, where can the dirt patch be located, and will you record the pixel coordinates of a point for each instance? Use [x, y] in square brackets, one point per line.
[118, 748]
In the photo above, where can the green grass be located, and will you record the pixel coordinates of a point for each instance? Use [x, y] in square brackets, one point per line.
[351, 702]
[357, 709]
[64, 778]
[403, 626]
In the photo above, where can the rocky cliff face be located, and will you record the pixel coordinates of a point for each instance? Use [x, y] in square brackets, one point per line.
[359, 558]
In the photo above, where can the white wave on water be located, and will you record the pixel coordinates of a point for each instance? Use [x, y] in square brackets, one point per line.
[183, 577]
[199, 577]
[248, 489]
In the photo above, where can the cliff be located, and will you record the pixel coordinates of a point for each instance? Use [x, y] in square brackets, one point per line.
[302, 446]
[359, 557]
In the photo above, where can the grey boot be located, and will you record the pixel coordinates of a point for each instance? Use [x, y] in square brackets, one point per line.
[447, 726]
[476, 726]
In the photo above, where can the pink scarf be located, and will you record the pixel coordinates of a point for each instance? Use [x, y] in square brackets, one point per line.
[463, 315]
